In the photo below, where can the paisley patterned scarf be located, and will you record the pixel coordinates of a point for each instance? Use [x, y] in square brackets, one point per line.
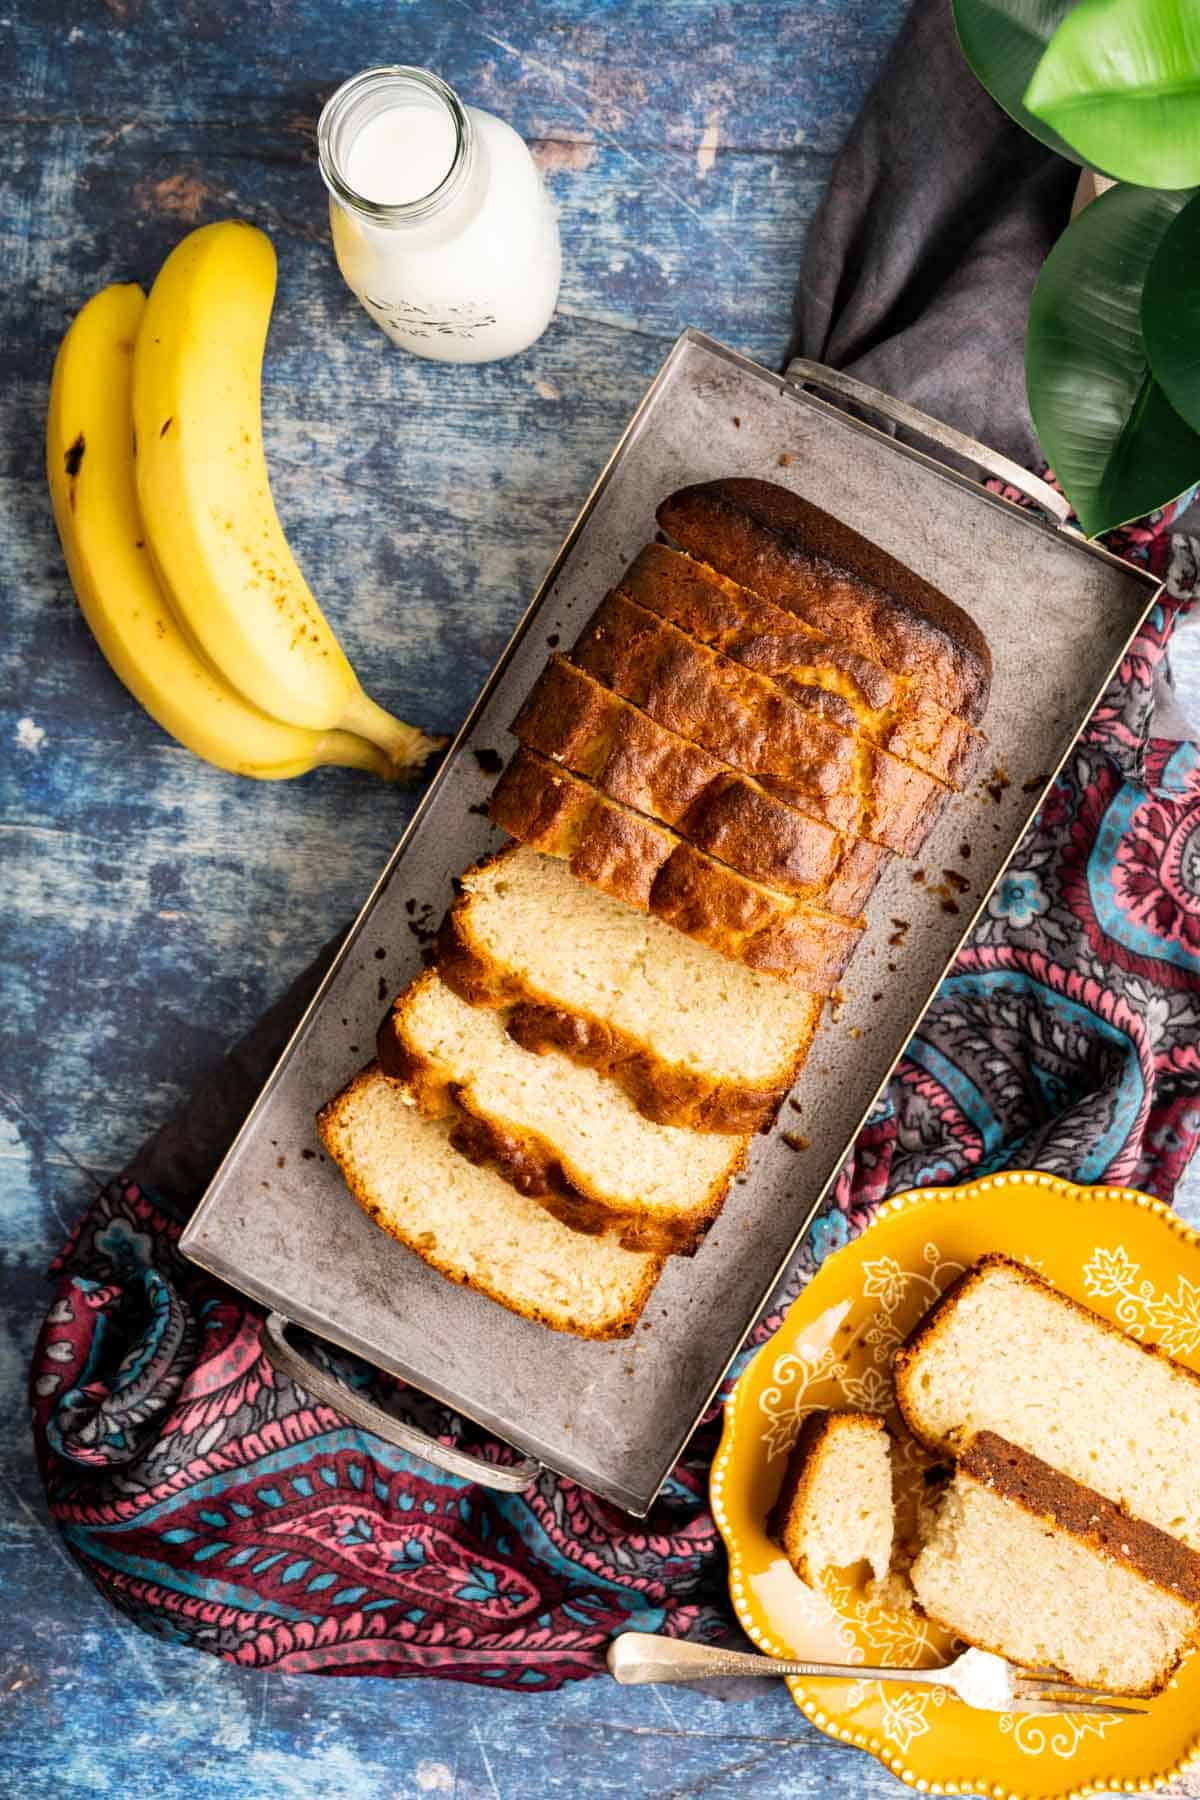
[219, 1506]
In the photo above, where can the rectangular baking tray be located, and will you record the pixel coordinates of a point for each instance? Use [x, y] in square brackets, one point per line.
[277, 1222]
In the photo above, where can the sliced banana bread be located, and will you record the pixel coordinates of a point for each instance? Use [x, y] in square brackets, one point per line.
[1027, 1563]
[694, 1038]
[564, 1134]
[891, 709]
[636, 860]
[471, 1225]
[573, 720]
[835, 1506]
[747, 720]
[790, 551]
[1005, 1352]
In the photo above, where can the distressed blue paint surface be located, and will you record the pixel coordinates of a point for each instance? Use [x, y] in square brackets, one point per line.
[154, 906]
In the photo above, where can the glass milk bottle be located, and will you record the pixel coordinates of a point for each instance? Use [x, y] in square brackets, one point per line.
[441, 224]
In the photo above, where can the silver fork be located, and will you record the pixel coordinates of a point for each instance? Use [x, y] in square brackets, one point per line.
[980, 1679]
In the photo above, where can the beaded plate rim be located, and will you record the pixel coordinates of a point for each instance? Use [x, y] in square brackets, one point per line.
[874, 1745]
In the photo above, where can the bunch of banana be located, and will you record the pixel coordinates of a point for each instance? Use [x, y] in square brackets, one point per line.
[175, 551]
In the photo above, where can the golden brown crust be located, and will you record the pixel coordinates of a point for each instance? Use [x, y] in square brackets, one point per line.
[665, 1092]
[649, 867]
[573, 720]
[793, 748]
[529, 1161]
[789, 551]
[890, 709]
[815, 1432]
[1041, 1491]
[926, 1330]
[327, 1122]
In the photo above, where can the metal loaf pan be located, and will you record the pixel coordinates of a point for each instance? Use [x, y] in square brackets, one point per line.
[277, 1222]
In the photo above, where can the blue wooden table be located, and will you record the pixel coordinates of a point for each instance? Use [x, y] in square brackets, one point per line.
[154, 906]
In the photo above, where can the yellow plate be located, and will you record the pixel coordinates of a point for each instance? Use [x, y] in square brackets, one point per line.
[1123, 1254]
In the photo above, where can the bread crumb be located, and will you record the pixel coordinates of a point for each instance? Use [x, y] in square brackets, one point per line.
[957, 881]
[795, 1140]
[856, 1031]
[785, 461]
[964, 851]
[1036, 785]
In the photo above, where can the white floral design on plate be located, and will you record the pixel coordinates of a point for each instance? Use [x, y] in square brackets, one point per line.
[1061, 1733]
[1172, 1319]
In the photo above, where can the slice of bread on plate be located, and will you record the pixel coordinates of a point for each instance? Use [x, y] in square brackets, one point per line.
[1023, 1561]
[692, 1037]
[1005, 1352]
[559, 1132]
[634, 859]
[835, 1506]
[470, 1225]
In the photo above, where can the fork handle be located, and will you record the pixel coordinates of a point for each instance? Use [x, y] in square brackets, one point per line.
[640, 1656]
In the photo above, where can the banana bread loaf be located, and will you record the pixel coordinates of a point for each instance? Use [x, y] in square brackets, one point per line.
[890, 709]
[770, 540]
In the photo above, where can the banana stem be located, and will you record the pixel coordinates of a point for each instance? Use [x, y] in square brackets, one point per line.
[343, 750]
[405, 745]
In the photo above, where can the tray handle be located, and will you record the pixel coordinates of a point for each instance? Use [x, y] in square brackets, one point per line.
[835, 381]
[283, 1355]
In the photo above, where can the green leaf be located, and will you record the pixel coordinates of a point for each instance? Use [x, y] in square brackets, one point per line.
[1117, 445]
[1120, 81]
[1004, 40]
[1171, 313]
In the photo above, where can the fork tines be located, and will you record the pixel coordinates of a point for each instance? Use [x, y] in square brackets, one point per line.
[1061, 1697]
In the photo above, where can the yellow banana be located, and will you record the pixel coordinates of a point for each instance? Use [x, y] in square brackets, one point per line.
[205, 494]
[89, 458]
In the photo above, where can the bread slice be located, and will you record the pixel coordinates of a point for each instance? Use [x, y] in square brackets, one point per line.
[891, 709]
[636, 860]
[835, 1506]
[747, 719]
[559, 1132]
[789, 551]
[1022, 1561]
[1005, 1352]
[571, 719]
[693, 1038]
[471, 1225]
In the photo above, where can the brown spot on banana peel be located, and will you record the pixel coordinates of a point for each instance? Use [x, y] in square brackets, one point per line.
[167, 424]
[74, 457]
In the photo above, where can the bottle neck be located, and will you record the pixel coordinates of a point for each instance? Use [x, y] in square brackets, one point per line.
[361, 100]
